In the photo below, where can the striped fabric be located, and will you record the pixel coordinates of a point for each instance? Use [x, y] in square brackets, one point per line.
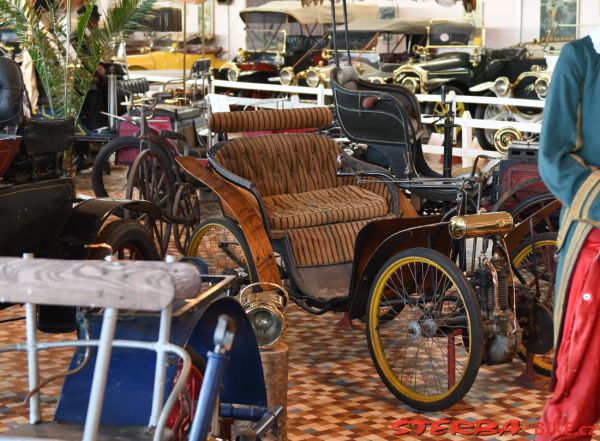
[263, 120]
[325, 244]
[326, 206]
[283, 164]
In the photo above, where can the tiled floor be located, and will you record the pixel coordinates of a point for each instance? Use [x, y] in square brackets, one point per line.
[334, 390]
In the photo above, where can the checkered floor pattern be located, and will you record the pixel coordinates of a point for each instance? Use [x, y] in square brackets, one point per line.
[334, 390]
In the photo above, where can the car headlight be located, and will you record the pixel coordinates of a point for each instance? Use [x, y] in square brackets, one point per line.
[286, 76]
[410, 83]
[233, 74]
[265, 312]
[541, 88]
[313, 79]
[502, 86]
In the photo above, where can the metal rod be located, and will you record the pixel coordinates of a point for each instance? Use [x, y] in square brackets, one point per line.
[346, 37]
[184, 41]
[92, 419]
[164, 333]
[32, 364]
[336, 58]
[67, 53]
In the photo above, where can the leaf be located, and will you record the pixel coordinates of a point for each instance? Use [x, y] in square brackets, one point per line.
[66, 68]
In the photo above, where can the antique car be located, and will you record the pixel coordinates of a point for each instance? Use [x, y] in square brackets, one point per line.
[532, 84]
[164, 53]
[455, 56]
[376, 48]
[343, 238]
[284, 34]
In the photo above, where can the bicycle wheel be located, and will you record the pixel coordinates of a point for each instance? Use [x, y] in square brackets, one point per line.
[151, 179]
[428, 356]
[111, 167]
[536, 317]
[221, 245]
[186, 209]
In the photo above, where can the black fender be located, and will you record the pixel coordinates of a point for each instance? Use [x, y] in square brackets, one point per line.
[380, 240]
[86, 220]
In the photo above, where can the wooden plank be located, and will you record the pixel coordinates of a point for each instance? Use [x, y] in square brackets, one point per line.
[138, 285]
[246, 213]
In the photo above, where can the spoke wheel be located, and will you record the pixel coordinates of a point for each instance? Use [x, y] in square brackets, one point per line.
[151, 179]
[186, 209]
[439, 110]
[529, 206]
[111, 167]
[541, 262]
[428, 355]
[220, 244]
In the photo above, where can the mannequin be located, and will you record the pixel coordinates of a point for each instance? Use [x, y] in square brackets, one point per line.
[569, 162]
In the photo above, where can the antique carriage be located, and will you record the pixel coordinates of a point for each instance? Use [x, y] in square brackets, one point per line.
[342, 236]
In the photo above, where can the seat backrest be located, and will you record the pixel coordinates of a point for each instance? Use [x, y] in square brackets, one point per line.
[281, 163]
[385, 122]
[11, 93]
[265, 120]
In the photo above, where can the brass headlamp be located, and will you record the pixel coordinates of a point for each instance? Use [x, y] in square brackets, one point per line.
[479, 225]
[265, 312]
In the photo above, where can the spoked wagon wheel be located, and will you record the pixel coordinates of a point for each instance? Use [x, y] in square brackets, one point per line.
[529, 206]
[151, 179]
[428, 356]
[114, 159]
[536, 317]
[221, 245]
[186, 209]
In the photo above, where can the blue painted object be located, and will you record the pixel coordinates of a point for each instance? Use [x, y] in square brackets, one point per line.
[130, 380]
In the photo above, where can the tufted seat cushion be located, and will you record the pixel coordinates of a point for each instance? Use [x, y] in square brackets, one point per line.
[326, 206]
[282, 164]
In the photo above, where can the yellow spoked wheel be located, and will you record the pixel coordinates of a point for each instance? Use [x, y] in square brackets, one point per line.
[531, 259]
[439, 110]
[428, 355]
[221, 246]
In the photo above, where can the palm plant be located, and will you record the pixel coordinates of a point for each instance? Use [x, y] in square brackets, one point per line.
[64, 58]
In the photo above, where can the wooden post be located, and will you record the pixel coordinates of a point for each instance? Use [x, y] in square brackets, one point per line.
[275, 363]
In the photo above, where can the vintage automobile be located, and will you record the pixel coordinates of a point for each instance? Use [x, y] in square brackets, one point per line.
[376, 46]
[298, 209]
[283, 34]
[455, 56]
[164, 53]
[532, 84]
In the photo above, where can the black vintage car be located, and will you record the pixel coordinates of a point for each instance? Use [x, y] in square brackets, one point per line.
[455, 56]
[282, 34]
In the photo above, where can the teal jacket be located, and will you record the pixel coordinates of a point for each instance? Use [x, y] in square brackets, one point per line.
[570, 155]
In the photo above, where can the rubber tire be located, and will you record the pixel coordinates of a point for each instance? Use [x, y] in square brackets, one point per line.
[541, 198]
[480, 133]
[122, 231]
[551, 236]
[101, 161]
[472, 306]
[237, 232]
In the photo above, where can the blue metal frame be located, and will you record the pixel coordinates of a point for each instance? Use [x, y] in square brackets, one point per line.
[131, 374]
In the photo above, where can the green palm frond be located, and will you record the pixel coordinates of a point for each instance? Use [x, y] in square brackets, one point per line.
[44, 36]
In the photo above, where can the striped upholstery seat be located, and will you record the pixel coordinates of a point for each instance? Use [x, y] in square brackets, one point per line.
[266, 120]
[304, 199]
[326, 206]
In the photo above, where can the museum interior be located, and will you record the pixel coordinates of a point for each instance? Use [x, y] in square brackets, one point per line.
[299, 220]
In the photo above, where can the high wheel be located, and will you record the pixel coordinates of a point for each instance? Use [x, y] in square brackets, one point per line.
[151, 179]
[535, 314]
[111, 166]
[186, 210]
[429, 354]
[221, 245]
[526, 207]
